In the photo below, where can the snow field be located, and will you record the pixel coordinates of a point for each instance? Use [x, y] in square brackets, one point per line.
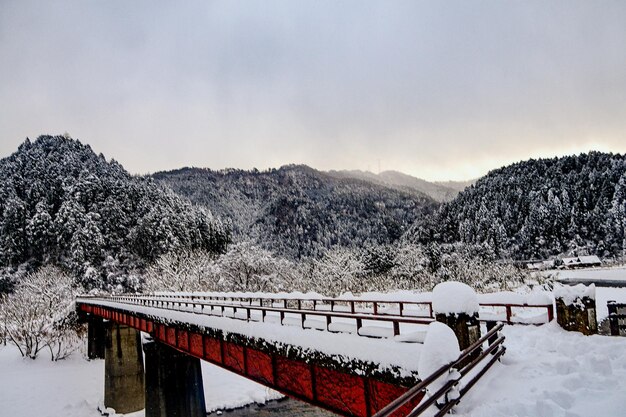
[592, 274]
[548, 372]
[75, 387]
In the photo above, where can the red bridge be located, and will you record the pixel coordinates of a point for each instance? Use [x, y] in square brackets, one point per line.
[352, 357]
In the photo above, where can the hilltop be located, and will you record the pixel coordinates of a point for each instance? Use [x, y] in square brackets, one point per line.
[538, 209]
[62, 204]
[298, 211]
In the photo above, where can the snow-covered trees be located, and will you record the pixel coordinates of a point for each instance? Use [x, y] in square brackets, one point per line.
[337, 271]
[538, 209]
[244, 267]
[298, 212]
[39, 314]
[247, 267]
[62, 204]
[183, 270]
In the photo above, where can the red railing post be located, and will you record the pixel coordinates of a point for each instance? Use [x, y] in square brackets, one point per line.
[550, 312]
[508, 314]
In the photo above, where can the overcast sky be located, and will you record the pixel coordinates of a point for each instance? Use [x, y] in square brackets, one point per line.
[437, 89]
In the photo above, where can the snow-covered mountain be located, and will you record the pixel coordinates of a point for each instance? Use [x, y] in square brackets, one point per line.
[299, 211]
[539, 208]
[438, 191]
[60, 203]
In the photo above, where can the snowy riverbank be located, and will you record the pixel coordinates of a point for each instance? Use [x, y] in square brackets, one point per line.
[546, 372]
[75, 387]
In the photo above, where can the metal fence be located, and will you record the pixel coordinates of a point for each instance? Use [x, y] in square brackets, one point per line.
[460, 377]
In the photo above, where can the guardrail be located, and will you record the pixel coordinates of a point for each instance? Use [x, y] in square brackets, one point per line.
[460, 369]
[617, 317]
[199, 305]
[397, 312]
[400, 308]
[482, 354]
[509, 317]
[365, 306]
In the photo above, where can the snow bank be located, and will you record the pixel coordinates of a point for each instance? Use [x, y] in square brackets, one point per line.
[570, 294]
[454, 297]
[550, 372]
[74, 387]
[440, 348]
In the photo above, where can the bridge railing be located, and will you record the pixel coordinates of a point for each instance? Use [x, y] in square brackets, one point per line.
[508, 315]
[333, 320]
[504, 312]
[362, 306]
[459, 377]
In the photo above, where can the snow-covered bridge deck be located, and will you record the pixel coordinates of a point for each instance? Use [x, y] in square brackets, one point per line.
[352, 357]
[348, 336]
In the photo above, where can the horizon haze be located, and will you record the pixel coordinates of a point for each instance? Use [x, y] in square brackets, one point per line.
[440, 91]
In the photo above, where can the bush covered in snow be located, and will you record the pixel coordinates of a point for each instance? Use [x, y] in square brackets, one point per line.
[244, 267]
[40, 314]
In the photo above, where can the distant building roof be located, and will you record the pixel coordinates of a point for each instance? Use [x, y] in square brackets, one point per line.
[582, 260]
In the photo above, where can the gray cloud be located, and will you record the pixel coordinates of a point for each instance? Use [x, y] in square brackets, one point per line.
[435, 89]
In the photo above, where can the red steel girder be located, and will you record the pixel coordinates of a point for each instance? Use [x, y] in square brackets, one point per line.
[343, 393]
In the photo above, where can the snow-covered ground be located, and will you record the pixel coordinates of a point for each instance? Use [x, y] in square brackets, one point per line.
[590, 274]
[75, 387]
[548, 372]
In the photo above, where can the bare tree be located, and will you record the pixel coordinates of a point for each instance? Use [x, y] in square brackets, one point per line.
[246, 267]
[183, 270]
[40, 314]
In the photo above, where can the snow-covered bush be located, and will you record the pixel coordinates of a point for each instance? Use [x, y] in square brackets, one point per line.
[183, 270]
[336, 272]
[40, 314]
[247, 267]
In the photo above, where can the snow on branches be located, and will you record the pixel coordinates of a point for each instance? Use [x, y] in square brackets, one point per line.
[40, 314]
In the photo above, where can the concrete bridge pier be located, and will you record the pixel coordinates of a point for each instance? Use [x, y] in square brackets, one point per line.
[173, 383]
[96, 337]
[123, 369]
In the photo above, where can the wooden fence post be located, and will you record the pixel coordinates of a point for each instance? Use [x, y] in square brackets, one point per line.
[613, 319]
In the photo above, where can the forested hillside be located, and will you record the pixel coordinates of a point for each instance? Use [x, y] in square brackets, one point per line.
[62, 204]
[297, 211]
[539, 208]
